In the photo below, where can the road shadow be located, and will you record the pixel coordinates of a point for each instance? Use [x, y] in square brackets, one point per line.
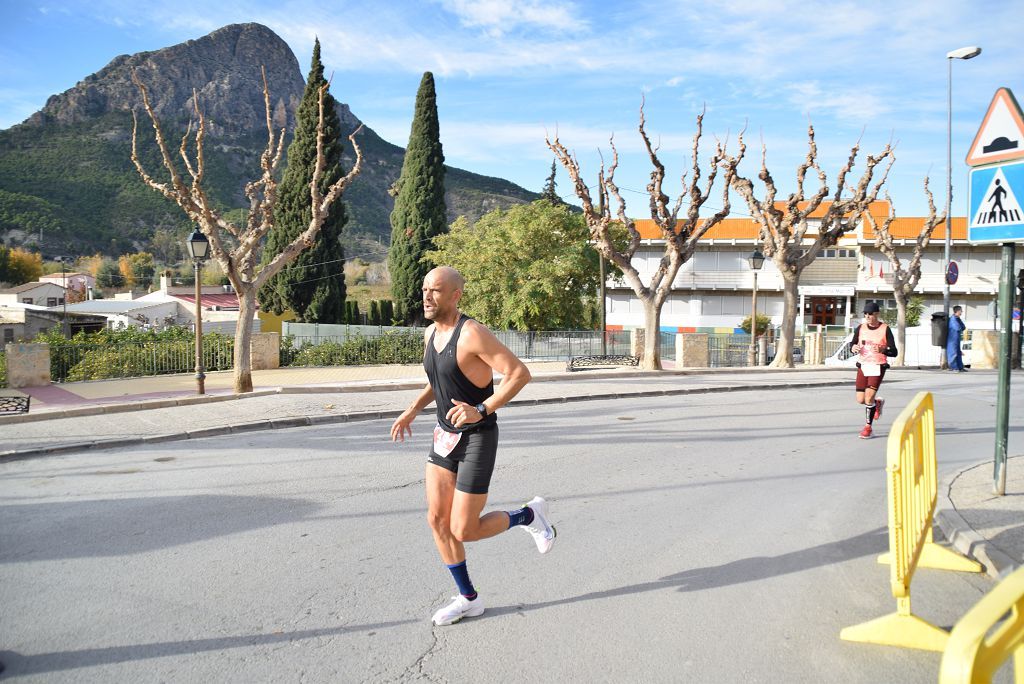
[18, 664]
[753, 569]
[60, 530]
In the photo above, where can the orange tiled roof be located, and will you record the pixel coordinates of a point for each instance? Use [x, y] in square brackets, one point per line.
[747, 229]
[730, 228]
[908, 228]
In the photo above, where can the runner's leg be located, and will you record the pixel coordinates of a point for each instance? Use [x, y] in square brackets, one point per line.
[467, 523]
[869, 402]
[440, 492]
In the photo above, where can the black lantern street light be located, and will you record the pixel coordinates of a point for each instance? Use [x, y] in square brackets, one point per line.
[198, 248]
[756, 261]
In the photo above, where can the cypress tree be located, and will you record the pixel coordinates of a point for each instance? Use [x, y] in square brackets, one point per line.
[313, 285]
[420, 213]
[374, 312]
[549, 193]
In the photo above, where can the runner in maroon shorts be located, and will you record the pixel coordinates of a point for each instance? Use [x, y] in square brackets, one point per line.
[873, 343]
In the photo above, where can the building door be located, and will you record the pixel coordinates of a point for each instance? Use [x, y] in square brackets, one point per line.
[823, 311]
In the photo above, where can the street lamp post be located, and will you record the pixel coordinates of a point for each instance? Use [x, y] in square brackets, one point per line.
[756, 261]
[198, 247]
[962, 53]
[64, 283]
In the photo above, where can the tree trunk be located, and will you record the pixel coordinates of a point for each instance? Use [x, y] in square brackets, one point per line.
[243, 340]
[791, 299]
[652, 333]
[901, 328]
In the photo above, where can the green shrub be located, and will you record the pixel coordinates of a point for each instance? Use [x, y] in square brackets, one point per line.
[391, 347]
[132, 352]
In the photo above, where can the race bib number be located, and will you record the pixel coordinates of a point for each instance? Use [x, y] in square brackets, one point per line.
[444, 441]
[871, 370]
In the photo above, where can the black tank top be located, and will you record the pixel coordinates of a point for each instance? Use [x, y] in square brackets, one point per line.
[449, 383]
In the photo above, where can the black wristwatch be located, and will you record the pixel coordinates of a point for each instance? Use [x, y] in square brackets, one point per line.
[481, 409]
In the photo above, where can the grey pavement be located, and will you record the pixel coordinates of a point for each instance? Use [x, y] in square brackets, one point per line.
[972, 518]
[106, 414]
[718, 537]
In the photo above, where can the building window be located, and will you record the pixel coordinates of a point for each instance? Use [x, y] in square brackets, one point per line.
[51, 301]
[836, 254]
[8, 335]
[26, 300]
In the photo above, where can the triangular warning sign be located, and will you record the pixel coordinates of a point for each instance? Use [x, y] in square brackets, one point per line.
[1001, 136]
[999, 205]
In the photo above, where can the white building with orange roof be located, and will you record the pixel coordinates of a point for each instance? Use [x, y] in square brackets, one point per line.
[713, 290]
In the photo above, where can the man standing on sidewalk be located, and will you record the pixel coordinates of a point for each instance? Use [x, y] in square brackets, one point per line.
[873, 342]
[955, 334]
[461, 356]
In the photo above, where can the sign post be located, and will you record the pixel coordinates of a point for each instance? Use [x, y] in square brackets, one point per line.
[996, 216]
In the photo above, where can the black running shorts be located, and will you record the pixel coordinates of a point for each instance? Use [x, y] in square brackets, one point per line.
[472, 459]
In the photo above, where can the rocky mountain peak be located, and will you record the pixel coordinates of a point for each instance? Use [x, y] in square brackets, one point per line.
[222, 68]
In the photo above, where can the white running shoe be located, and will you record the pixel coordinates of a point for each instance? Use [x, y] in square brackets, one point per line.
[459, 608]
[541, 529]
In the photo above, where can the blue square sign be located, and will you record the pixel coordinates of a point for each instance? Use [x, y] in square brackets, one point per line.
[995, 210]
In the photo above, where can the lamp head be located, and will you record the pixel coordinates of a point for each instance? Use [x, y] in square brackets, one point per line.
[964, 53]
[198, 245]
[756, 260]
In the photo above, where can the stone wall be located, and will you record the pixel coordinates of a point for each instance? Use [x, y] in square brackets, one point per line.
[266, 350]
[28, 365]
[692, 350]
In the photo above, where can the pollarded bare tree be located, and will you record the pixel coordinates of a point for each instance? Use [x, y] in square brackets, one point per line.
[784, 234]
[680, 234]
[236, 248]
[904, 278]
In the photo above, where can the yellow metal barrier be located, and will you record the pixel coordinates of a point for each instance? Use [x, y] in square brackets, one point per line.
[971, 657]
[912, 487]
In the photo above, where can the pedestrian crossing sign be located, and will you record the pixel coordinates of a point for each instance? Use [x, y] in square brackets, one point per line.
[996, 214]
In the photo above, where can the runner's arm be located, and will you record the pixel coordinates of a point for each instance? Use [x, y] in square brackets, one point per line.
[403, 424]
[515, 374]
[890, 344]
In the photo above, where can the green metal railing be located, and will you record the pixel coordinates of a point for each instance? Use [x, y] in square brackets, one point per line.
[75, 362]
[728, 350]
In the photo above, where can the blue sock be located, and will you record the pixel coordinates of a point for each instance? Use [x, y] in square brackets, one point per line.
[524, 516]
[461, 575]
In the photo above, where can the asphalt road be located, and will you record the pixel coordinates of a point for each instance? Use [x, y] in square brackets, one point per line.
[715, 537]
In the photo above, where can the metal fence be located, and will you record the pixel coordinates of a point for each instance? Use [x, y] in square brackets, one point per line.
[356, 345]
[559, 345]
[666, 346]
[837, 343]
[74, 362]
[728, 350]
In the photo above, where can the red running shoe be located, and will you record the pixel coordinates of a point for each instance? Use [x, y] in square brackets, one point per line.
[878, 408]
[866, 432]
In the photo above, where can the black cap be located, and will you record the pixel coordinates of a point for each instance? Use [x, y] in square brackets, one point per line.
[870, 307]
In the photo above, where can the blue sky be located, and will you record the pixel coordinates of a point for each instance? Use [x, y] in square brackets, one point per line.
[507, 71]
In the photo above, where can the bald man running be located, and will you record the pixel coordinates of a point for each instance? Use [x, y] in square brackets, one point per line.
[461, 356]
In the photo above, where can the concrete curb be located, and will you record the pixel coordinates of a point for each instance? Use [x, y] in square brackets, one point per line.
[963, 537]
[306, 421]
[375, 386]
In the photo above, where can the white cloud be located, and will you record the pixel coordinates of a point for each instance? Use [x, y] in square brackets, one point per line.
[498, 17]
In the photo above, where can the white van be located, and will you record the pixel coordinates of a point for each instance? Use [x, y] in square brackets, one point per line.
[919, 352]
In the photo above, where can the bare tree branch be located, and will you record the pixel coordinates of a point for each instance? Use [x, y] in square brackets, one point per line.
[680, 235]
[239, 261]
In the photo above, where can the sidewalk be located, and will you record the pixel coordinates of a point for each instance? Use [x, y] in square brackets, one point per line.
[980, 524]
[121, 413]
